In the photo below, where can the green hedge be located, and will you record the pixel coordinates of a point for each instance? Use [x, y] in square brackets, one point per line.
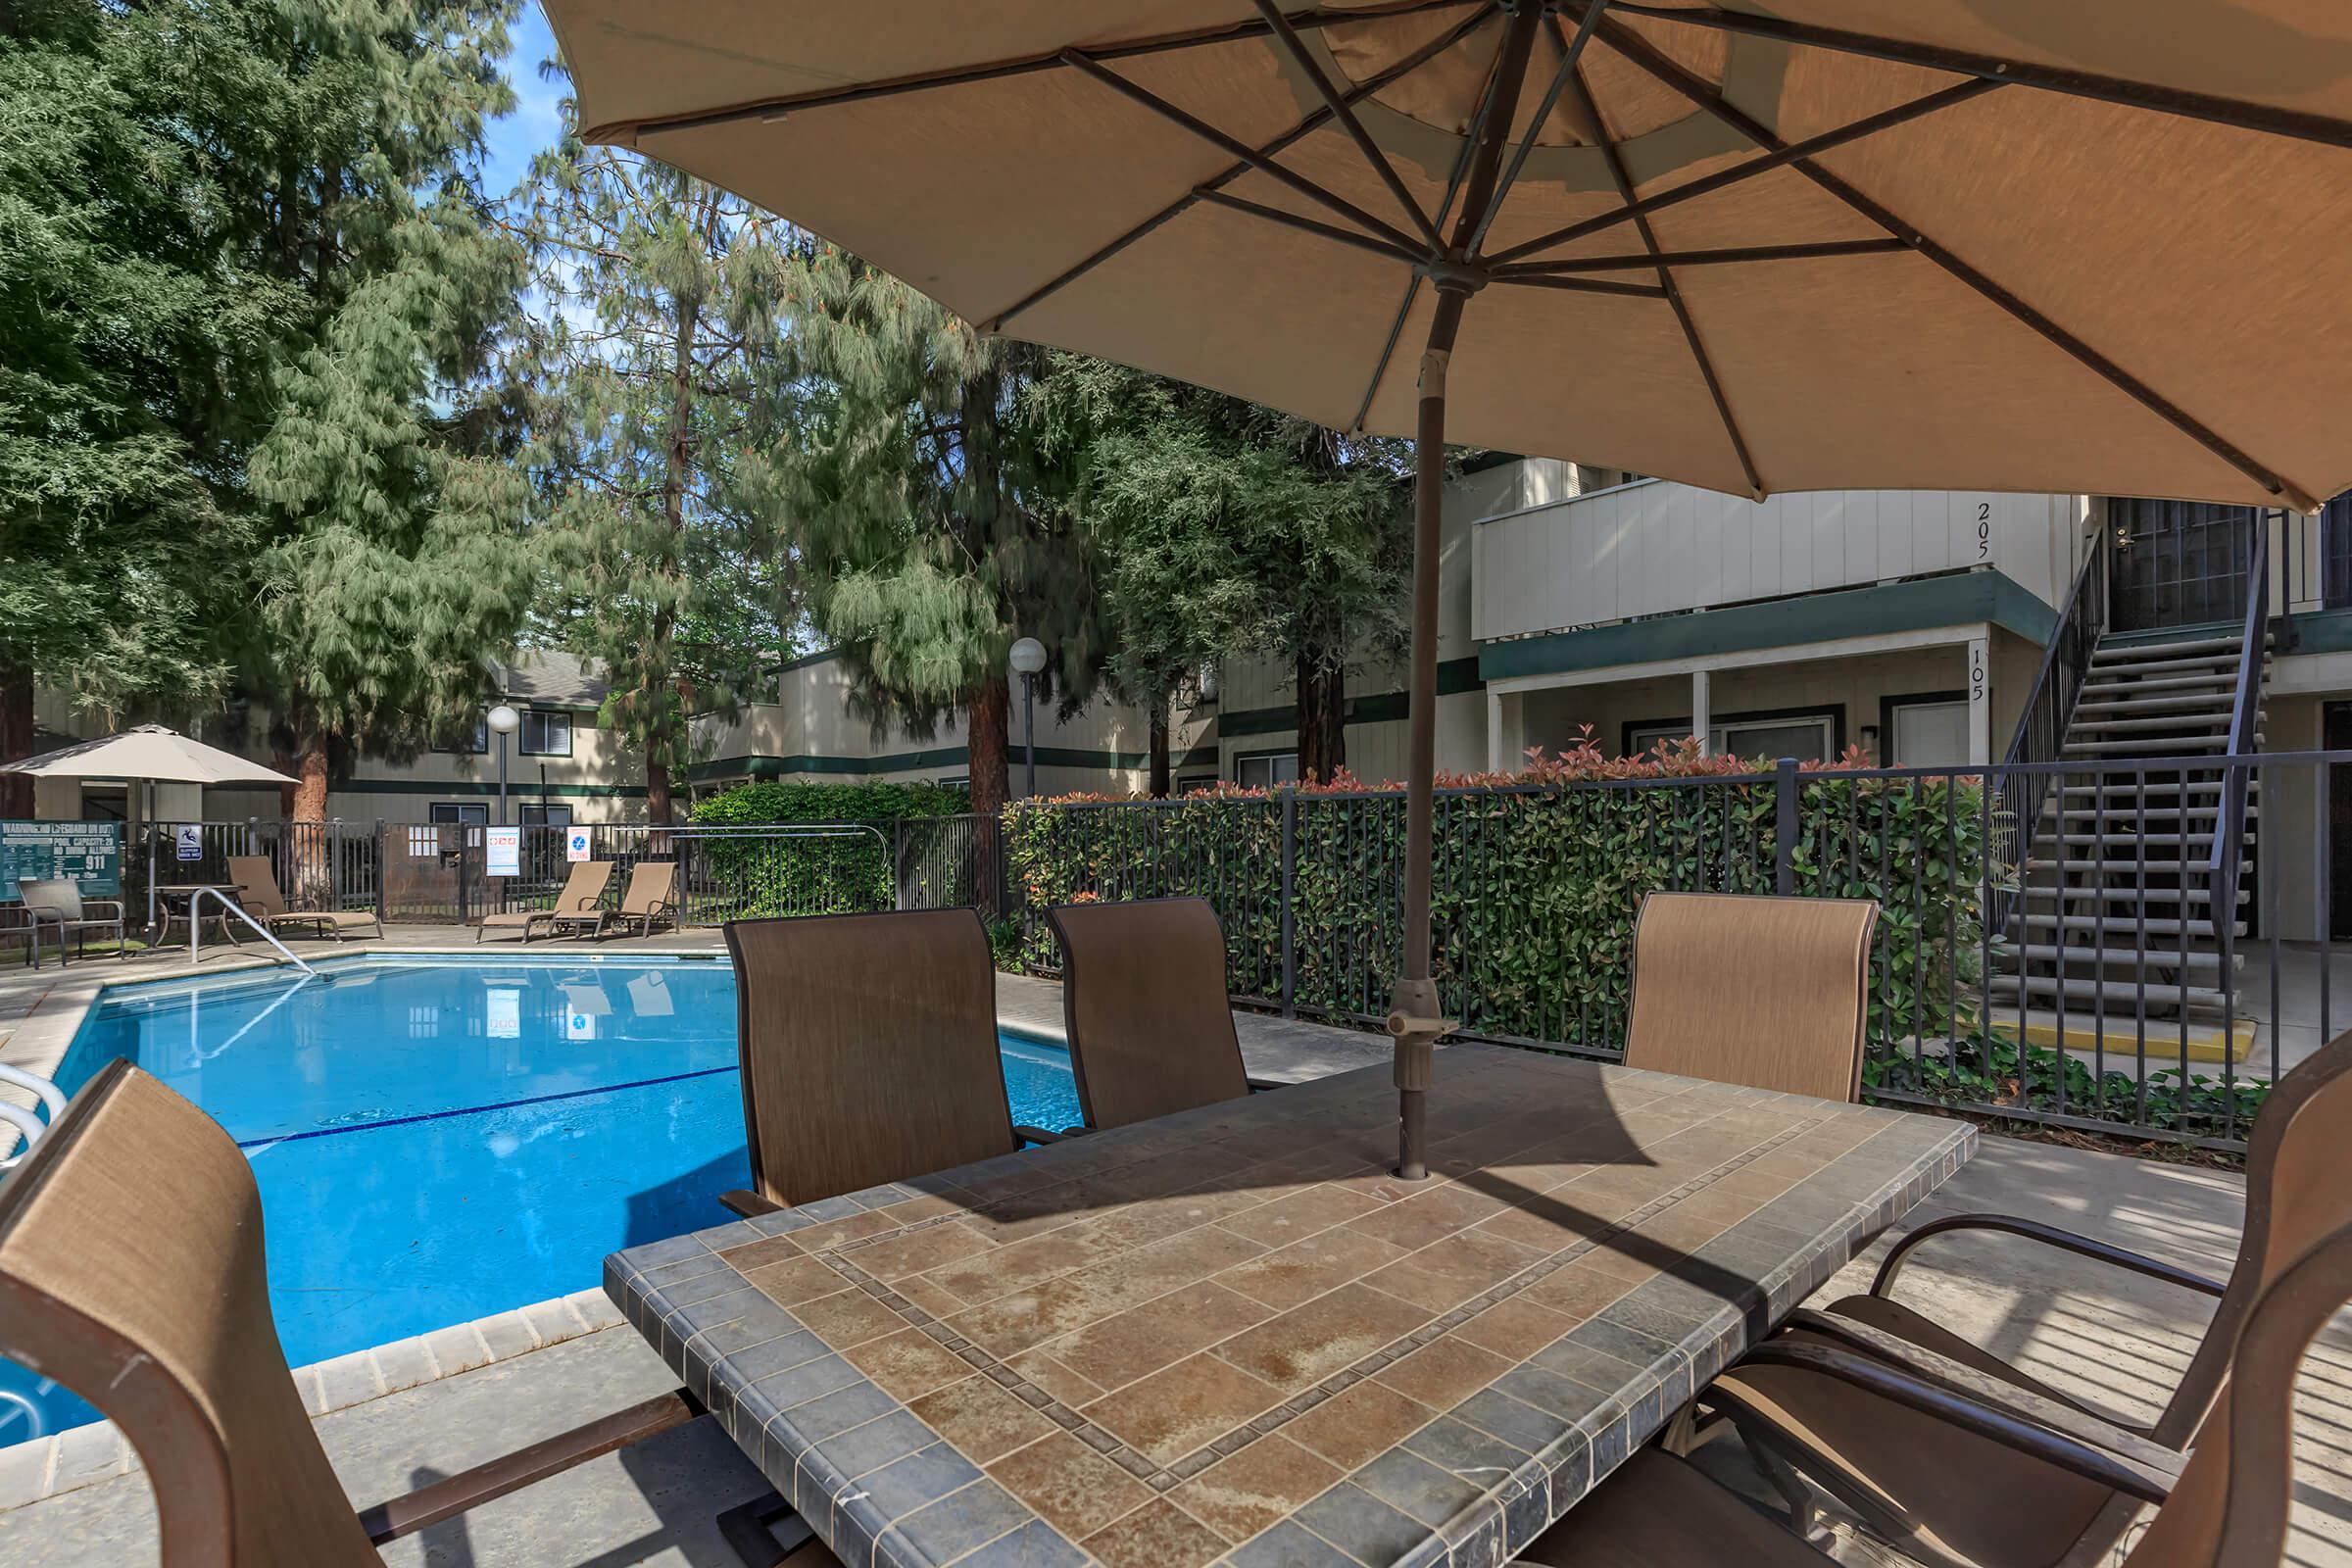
[820, 875]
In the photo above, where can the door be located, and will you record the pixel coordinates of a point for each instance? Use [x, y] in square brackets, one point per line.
[2177, 564]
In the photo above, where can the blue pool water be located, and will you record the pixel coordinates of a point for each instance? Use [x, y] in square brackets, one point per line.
[435, 1141]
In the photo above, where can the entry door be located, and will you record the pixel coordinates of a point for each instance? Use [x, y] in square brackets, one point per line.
[2177, 564]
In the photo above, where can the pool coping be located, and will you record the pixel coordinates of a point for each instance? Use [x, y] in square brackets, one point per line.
[41, 1468]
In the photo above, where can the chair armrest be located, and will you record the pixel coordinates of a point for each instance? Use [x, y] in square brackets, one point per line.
[115, 904]
[2065, 1418]
[1259, 1086]
[2049, 1236]
[2147, 1473]
[445, 1499]
[1037, 1135]
[751, 1205]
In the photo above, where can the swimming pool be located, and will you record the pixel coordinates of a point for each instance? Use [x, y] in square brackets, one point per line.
[436, 1139]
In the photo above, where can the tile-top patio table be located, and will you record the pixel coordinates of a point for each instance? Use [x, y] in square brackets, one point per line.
[1232, 1336]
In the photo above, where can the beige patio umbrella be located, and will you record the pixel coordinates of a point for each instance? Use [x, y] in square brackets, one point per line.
[2086, 246]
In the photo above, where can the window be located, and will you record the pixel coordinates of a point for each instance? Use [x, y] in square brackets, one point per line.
[1931, 732]
[1198, 781]
[457, 811]
[477, 743]
[545, 817]
[1807, 737]
[544, 734]
[1266, 772]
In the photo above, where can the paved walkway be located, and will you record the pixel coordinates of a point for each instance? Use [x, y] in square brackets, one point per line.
[2116, 1340]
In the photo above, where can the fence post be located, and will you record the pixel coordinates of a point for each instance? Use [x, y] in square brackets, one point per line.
[898, 862]
[1783, 837]
[1290, 928]
[380, 853]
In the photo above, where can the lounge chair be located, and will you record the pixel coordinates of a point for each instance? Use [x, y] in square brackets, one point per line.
[648, 899]
[131, 1271]
[1946, 1497]
[581, 904]
[2225, 1507]
[1765, 992]
[1151, 1024]
[258, 892]
[60, 906]
[869, 1044]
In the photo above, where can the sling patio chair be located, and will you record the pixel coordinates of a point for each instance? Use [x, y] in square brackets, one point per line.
[258, 892]
[1944, 1495]
[131, 1271]
[868, 1048]
[581, 904]
[56, 905]
[2226, 1507]
[1766, 992]
[649, 898]
[1144, 995]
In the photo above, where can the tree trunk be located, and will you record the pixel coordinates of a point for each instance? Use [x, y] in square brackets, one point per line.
[1159, 786]
[16, 738]
[657, 790]
[1322, 717]
[656, 668]
[310, 849]
[985, 746]
[310, 795]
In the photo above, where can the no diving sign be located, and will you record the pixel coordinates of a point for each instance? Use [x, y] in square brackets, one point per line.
[575, 844]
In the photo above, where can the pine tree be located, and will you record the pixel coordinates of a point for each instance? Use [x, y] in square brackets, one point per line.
[663, 395]
[930, 519]
[398, 562]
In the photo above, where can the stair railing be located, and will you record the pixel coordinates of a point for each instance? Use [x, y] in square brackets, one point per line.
[2230, 822]
[2041, 728]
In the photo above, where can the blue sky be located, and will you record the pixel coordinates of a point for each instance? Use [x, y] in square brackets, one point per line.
[534, 125]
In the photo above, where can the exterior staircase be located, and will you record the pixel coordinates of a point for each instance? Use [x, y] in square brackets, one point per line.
[2115, 920]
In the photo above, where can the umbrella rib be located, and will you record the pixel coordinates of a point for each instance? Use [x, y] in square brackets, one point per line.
[1571, 53]
[1674, 293]
[1330, 231]
[1344, 113]
[1868, 125]
[997, 70]
[1184, 119]
[1707, 258]
[1289, 138]
[2294, 124]
[1700, 94]
[1599, 285]
[1412, 288]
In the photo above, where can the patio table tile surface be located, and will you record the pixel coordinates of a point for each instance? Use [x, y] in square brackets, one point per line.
[1232, 1337]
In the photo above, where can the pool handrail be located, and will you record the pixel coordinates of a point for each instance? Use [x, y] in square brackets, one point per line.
[231, 907]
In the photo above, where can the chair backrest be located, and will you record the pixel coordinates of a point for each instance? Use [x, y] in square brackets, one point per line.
[585, 886]
[1742, 989]
[2296, 1195]
[131, 1271]
[61, 897]
[256, 884]
[2230, 1507]
[869, 1044]
[652, 884]
[1143, 991]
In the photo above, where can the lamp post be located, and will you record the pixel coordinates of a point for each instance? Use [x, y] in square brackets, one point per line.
[1028, 658]
[506, 721]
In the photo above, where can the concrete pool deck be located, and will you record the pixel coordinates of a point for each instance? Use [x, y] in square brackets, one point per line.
[2120, 1341]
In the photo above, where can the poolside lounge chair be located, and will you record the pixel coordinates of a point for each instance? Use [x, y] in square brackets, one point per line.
[1151, 1024]
[650, 897]
[58, 906]
[869, 1044]
[258, 892]
[2225, 1507]
[1740, 989]
[581, 904]
[131, 1271]
[1949, 1497]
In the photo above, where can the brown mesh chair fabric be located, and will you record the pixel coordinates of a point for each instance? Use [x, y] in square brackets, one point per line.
[130, 1270]
[580, 904]
[869, 1044]
[650, 897]
[1143, 989]
[1765, 992]
[258, 890]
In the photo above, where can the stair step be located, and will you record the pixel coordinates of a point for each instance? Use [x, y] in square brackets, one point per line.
[2163, 784]
[2108, 670]
[2158, 723]
[2125, 808]
[2194, 703]
[2124, 868]
[2214, 744]
[2039, 900]
[2156, 926]
[2218, 680]
[2162, 841]
[2118, 996]
[2085, 961]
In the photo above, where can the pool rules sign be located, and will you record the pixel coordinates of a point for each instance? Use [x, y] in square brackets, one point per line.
[502, 852]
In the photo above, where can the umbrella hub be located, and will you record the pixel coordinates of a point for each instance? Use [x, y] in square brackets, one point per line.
[1451, 276]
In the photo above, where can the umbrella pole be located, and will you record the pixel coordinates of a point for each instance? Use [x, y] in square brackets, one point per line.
[1413, 1020]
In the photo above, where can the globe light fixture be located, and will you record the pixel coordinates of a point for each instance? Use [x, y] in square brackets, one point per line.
[506, 721]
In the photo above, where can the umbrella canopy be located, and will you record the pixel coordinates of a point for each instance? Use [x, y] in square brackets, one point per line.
[1985, 244]
[148, 752]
